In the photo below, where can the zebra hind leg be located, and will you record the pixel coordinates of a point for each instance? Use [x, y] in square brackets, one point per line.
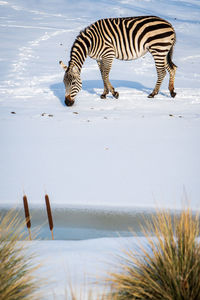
[160, 62]
[171, 68]
[161, 72]
[171, 80]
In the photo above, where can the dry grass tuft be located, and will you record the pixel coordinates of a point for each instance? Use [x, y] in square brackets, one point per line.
[167, 267]
[17, 279]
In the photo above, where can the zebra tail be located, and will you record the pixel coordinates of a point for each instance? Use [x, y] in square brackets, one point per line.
[169, 58]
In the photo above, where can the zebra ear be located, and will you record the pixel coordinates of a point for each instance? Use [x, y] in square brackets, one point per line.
[63, 65]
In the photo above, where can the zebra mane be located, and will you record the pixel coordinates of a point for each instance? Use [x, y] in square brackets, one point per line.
[80, 35]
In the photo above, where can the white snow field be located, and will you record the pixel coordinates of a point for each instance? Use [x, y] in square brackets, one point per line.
[132, 152]
[80, 265]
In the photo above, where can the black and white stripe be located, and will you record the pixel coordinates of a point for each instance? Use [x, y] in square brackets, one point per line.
[124, 39]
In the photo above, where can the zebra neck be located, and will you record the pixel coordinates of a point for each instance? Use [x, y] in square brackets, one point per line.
[79, 51]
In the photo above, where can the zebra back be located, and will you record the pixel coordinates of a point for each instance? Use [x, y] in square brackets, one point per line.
[128, 38]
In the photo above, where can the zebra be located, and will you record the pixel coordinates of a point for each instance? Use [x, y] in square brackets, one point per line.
[124, 39]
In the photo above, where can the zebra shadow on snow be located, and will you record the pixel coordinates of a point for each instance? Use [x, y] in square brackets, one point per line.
[90, 85]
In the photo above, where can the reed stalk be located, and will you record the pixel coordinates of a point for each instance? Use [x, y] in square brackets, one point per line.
[27, 215]
[49, 214]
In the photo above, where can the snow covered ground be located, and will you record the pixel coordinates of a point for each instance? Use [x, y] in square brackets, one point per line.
[131, 152]
[79, 265]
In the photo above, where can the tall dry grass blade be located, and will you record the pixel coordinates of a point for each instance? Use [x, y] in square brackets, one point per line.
[49, 214]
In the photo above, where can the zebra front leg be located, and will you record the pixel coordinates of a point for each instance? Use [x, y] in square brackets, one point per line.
[111, 88]
[114, 93]
[105, 66]
[105, 92]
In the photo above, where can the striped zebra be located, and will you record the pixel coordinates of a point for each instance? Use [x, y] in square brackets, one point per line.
[124, 39]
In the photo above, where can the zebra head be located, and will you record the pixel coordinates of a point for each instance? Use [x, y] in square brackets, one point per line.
[72, 82]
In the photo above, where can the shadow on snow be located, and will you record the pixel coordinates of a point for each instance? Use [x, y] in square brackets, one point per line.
[90, 86]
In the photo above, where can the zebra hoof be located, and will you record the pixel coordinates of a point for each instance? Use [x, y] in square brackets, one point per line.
[151, 95]
[103, 96]
[173, 94]
[116, 95]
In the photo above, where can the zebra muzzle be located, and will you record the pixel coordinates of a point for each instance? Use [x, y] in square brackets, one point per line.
[69, 101]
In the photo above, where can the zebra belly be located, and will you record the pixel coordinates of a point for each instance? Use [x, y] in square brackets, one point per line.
[120, 56]
[131, 56]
